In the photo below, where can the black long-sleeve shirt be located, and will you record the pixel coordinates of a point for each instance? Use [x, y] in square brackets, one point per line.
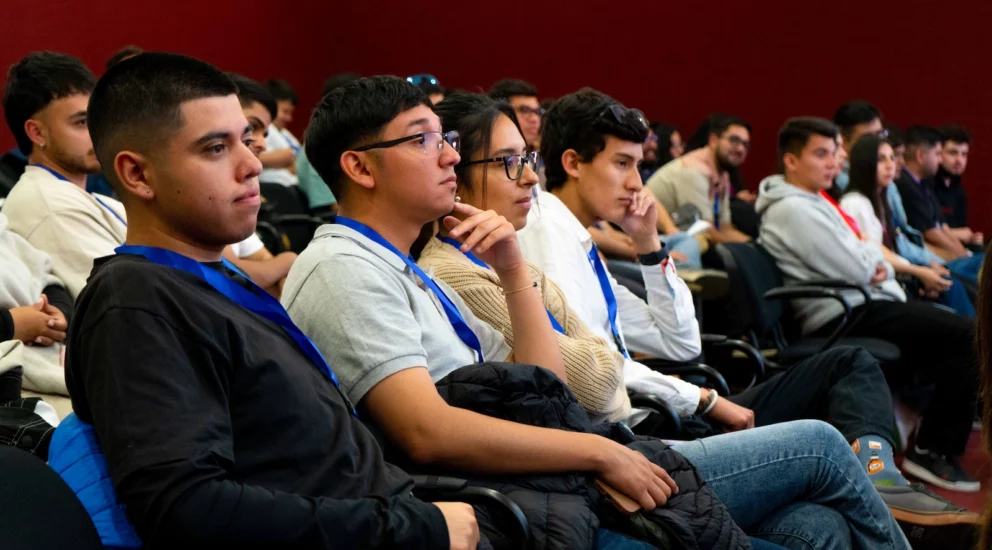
[217, 428]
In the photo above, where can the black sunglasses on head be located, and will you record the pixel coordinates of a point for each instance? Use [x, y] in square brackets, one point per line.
[624, 115]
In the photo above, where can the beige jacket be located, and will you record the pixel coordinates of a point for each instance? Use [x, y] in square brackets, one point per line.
[71, 225]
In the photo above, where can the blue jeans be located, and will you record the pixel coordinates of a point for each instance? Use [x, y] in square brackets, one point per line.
[611, 540]
[957, 299]
[796, 484]
[688, 245]
[967, 268]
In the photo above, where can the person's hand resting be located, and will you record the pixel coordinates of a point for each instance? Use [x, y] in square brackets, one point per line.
[463, 528]
[881, 274]
[933, 282]
[641, 222]
[40, 323]
[677, 256]
[732, 416]
[634, 475]
[487, 235]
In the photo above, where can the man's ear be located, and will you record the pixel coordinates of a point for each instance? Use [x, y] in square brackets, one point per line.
[712, 141]
[356, 167]
[135, 174]
[35, 130]
[570, 162]
[790, 161]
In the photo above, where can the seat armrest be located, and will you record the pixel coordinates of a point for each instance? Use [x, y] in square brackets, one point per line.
[672, 368]
[803, 291]
[672, 421]
[449, 489]
[754, 357]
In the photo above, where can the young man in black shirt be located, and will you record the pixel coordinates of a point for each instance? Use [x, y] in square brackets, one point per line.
[947, 183]
[219, 421]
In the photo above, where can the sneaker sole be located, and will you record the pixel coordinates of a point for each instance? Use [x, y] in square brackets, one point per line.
[919, 472]
[934, 519]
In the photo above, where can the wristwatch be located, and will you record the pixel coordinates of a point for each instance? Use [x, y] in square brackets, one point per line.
[653, 258]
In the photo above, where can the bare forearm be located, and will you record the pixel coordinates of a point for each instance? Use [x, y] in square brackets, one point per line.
[267, 272]
[283, 158]
[726, 235]
[472, 442]
[535, 342]
[946, 242]
[611, 245]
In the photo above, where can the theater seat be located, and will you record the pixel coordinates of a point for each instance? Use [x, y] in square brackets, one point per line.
[757, 289]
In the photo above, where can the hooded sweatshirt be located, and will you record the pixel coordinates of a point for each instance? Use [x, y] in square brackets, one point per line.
[810, 240]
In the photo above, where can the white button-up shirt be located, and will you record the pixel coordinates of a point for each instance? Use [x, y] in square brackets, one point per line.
[664, 327]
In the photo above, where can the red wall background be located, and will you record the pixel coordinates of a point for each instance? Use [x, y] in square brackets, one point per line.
[920, 61]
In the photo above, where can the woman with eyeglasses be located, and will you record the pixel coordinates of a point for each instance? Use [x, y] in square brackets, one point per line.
[872, 169]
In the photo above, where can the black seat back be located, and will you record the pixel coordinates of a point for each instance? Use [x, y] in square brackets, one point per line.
[286, 201]
[752, 272]
[11, 168]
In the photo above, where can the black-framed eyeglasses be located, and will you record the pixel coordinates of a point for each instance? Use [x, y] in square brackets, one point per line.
[514, 164]
[624, 115]
[739, 141]
[528, 110]
[430, 141]
[883, 133]
[653, 138]
[419, 79]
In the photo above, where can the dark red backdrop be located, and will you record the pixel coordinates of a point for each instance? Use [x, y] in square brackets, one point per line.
[919, 60]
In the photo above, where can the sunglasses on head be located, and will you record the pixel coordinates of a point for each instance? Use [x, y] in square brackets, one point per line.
[419, 79]
[624, 115]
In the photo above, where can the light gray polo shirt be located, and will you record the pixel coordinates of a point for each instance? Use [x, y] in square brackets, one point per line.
[371, 317]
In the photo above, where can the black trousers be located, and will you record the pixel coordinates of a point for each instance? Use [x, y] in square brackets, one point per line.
[937, 348]
[843, 384]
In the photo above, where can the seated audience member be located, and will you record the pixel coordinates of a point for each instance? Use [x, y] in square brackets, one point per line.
[923, 156]
[663, 145]
[220, 422]
[872, 169]
[45, 101]
[700, 177]
[34, 309]
[381, 148]
[984, 340]
[429, 85]
[265, 269]
[319, 196]
[811, 241]
[947, 185]
[843, 384]
[281, 146]
[855, 118]
[522, 96]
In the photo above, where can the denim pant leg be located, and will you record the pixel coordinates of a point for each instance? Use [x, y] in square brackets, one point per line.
[967, 268]
[957, 299]
[756, 472]
[688, 245]
[789, 527]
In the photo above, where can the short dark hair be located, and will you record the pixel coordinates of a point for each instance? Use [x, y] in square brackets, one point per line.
[336, 81]
[795, 133]
[895, 135]
[855, 112]
[251, 91]
[473, 117]
[36, 80]
[714, 124]
[137, 103]
[955, 133]
[919, 135]
[581, 121]
[352, 114]
[510, 87]
[122, 54]
[281, 90]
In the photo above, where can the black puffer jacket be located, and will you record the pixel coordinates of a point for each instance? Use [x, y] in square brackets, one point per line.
[564, 511]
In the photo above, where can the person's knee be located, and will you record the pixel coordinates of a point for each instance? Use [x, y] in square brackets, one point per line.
[818, 433]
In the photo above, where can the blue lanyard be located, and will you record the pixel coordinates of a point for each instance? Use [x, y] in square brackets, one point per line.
[716, 211]
[63, 178]
[293, 146]
[475, 260]
[455, 318]
[611, 299]
[257, 300]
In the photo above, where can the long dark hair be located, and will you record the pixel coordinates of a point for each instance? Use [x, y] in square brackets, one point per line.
[664, 133]
[473, 116]
[983, 344]
[864, 178]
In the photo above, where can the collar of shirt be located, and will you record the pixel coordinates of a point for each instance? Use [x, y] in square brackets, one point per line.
[337, 230]
[911, 175]
[550, 208]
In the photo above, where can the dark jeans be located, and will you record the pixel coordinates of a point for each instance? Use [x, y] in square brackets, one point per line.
[937, 348]
[844, 384]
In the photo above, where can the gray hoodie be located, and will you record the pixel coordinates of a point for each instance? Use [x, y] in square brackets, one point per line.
[810, 240]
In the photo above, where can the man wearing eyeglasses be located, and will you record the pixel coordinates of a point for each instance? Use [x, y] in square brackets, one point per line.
[522, 96]
[701, 178]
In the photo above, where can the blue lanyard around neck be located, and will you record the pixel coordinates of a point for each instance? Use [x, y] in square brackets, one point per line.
[256, 300]
[611, 299]
[63, 178]
[293, 146]
[475, 260]
[716, 211]
[455, 318]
